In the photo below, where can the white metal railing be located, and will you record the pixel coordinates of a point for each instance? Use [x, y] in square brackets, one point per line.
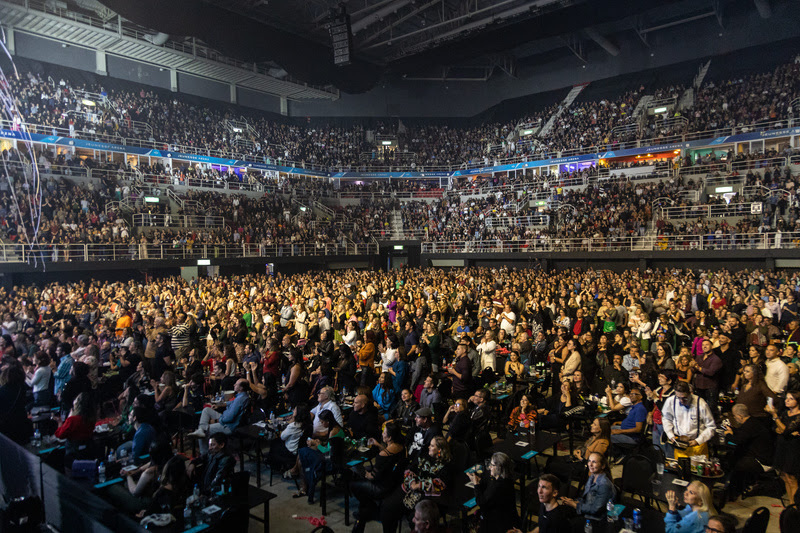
[758, 163]
[703, 169]
[720, 181]
[524, 221]
[143, 220]
[711, 241]
[21, 253]
[714, 210]
[538, 156]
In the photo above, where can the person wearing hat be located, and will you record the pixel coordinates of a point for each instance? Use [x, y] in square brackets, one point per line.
[424, 431]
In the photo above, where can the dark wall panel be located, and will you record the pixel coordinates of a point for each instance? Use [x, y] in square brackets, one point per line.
[52, 52]
[203, 87]
[126, 69]
[265, 102]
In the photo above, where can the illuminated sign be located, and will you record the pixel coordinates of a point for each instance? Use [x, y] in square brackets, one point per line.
[203, 262]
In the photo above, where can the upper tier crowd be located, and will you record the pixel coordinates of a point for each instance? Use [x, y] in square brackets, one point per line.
[403, 362]
[168, 120]
[298, 211]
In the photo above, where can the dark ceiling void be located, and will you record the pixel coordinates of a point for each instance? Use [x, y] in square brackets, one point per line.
[245, 39]
[308, 59]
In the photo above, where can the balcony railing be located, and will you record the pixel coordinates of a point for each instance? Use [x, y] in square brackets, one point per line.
[22, 253]
[538, 156]
[706, 211]
[144, 220]
[741, 241]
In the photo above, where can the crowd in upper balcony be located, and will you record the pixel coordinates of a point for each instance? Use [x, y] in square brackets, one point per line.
[170, 121]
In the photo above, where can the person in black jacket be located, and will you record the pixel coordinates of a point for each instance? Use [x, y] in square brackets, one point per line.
[382, 478]
[14, 421]
[753, 448]
[211, 469]
[494, 492]
[79, 384]
[364, 421]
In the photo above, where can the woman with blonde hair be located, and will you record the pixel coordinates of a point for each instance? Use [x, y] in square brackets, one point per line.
[694, 517]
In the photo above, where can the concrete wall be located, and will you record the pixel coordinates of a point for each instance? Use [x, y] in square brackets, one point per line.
[203, 87]
[52, 52]
[137, 72]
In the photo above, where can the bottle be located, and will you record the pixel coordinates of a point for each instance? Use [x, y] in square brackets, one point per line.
[588, 527]
[637, 519]
[187, 516]
[610, 515]
[37, 438]
[196, 495]
[101, 473]
[110, 457]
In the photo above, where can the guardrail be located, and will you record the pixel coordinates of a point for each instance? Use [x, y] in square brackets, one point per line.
[523, 221]
[538, 156]
[714, 210]
[741, 241]
[21, 253]
[143, 220]
[749, 164]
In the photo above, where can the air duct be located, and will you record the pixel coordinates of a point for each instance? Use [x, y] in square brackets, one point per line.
[378, 15]
[158, 39]
[604, 43]
[763, 8]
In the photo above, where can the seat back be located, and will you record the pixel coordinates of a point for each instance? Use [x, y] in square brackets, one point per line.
[758, 521]
[439, 410]
[460, 452]
[790, 519]
[636, 474]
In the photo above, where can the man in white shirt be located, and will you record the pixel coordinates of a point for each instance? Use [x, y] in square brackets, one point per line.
[688, 421]
[326, 402]
[507, 320]
[777, 376]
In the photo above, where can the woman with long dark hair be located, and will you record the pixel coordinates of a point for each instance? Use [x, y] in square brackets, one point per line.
[428, 477]
[384, 394]
[384, 476]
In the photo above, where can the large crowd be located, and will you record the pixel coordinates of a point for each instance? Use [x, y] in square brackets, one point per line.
[405, 363]
[169, 121]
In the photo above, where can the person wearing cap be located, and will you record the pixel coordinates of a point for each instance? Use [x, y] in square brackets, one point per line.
[424, 431]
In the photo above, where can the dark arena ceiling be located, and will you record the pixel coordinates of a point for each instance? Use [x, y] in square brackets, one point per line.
[413, 38]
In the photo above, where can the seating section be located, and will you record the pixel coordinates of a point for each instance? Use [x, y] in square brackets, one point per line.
[54, 97]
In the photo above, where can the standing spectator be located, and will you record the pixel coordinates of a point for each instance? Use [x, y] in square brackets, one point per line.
[707, 366]
[777, 375]
[688, 423]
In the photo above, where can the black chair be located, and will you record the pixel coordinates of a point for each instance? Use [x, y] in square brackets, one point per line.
[439, 410]
[758, 521]
[790, 519]
[337, 469]
[637, 472]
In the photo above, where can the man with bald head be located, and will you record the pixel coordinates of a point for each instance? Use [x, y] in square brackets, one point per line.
[211, 421]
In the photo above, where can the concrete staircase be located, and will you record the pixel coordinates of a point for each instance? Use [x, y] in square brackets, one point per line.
[571, 96]
[701, 75]
[396, 225]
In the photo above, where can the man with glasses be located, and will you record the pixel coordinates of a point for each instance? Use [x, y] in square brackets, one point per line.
[326, 400]
[629, 431]
[688, 422]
